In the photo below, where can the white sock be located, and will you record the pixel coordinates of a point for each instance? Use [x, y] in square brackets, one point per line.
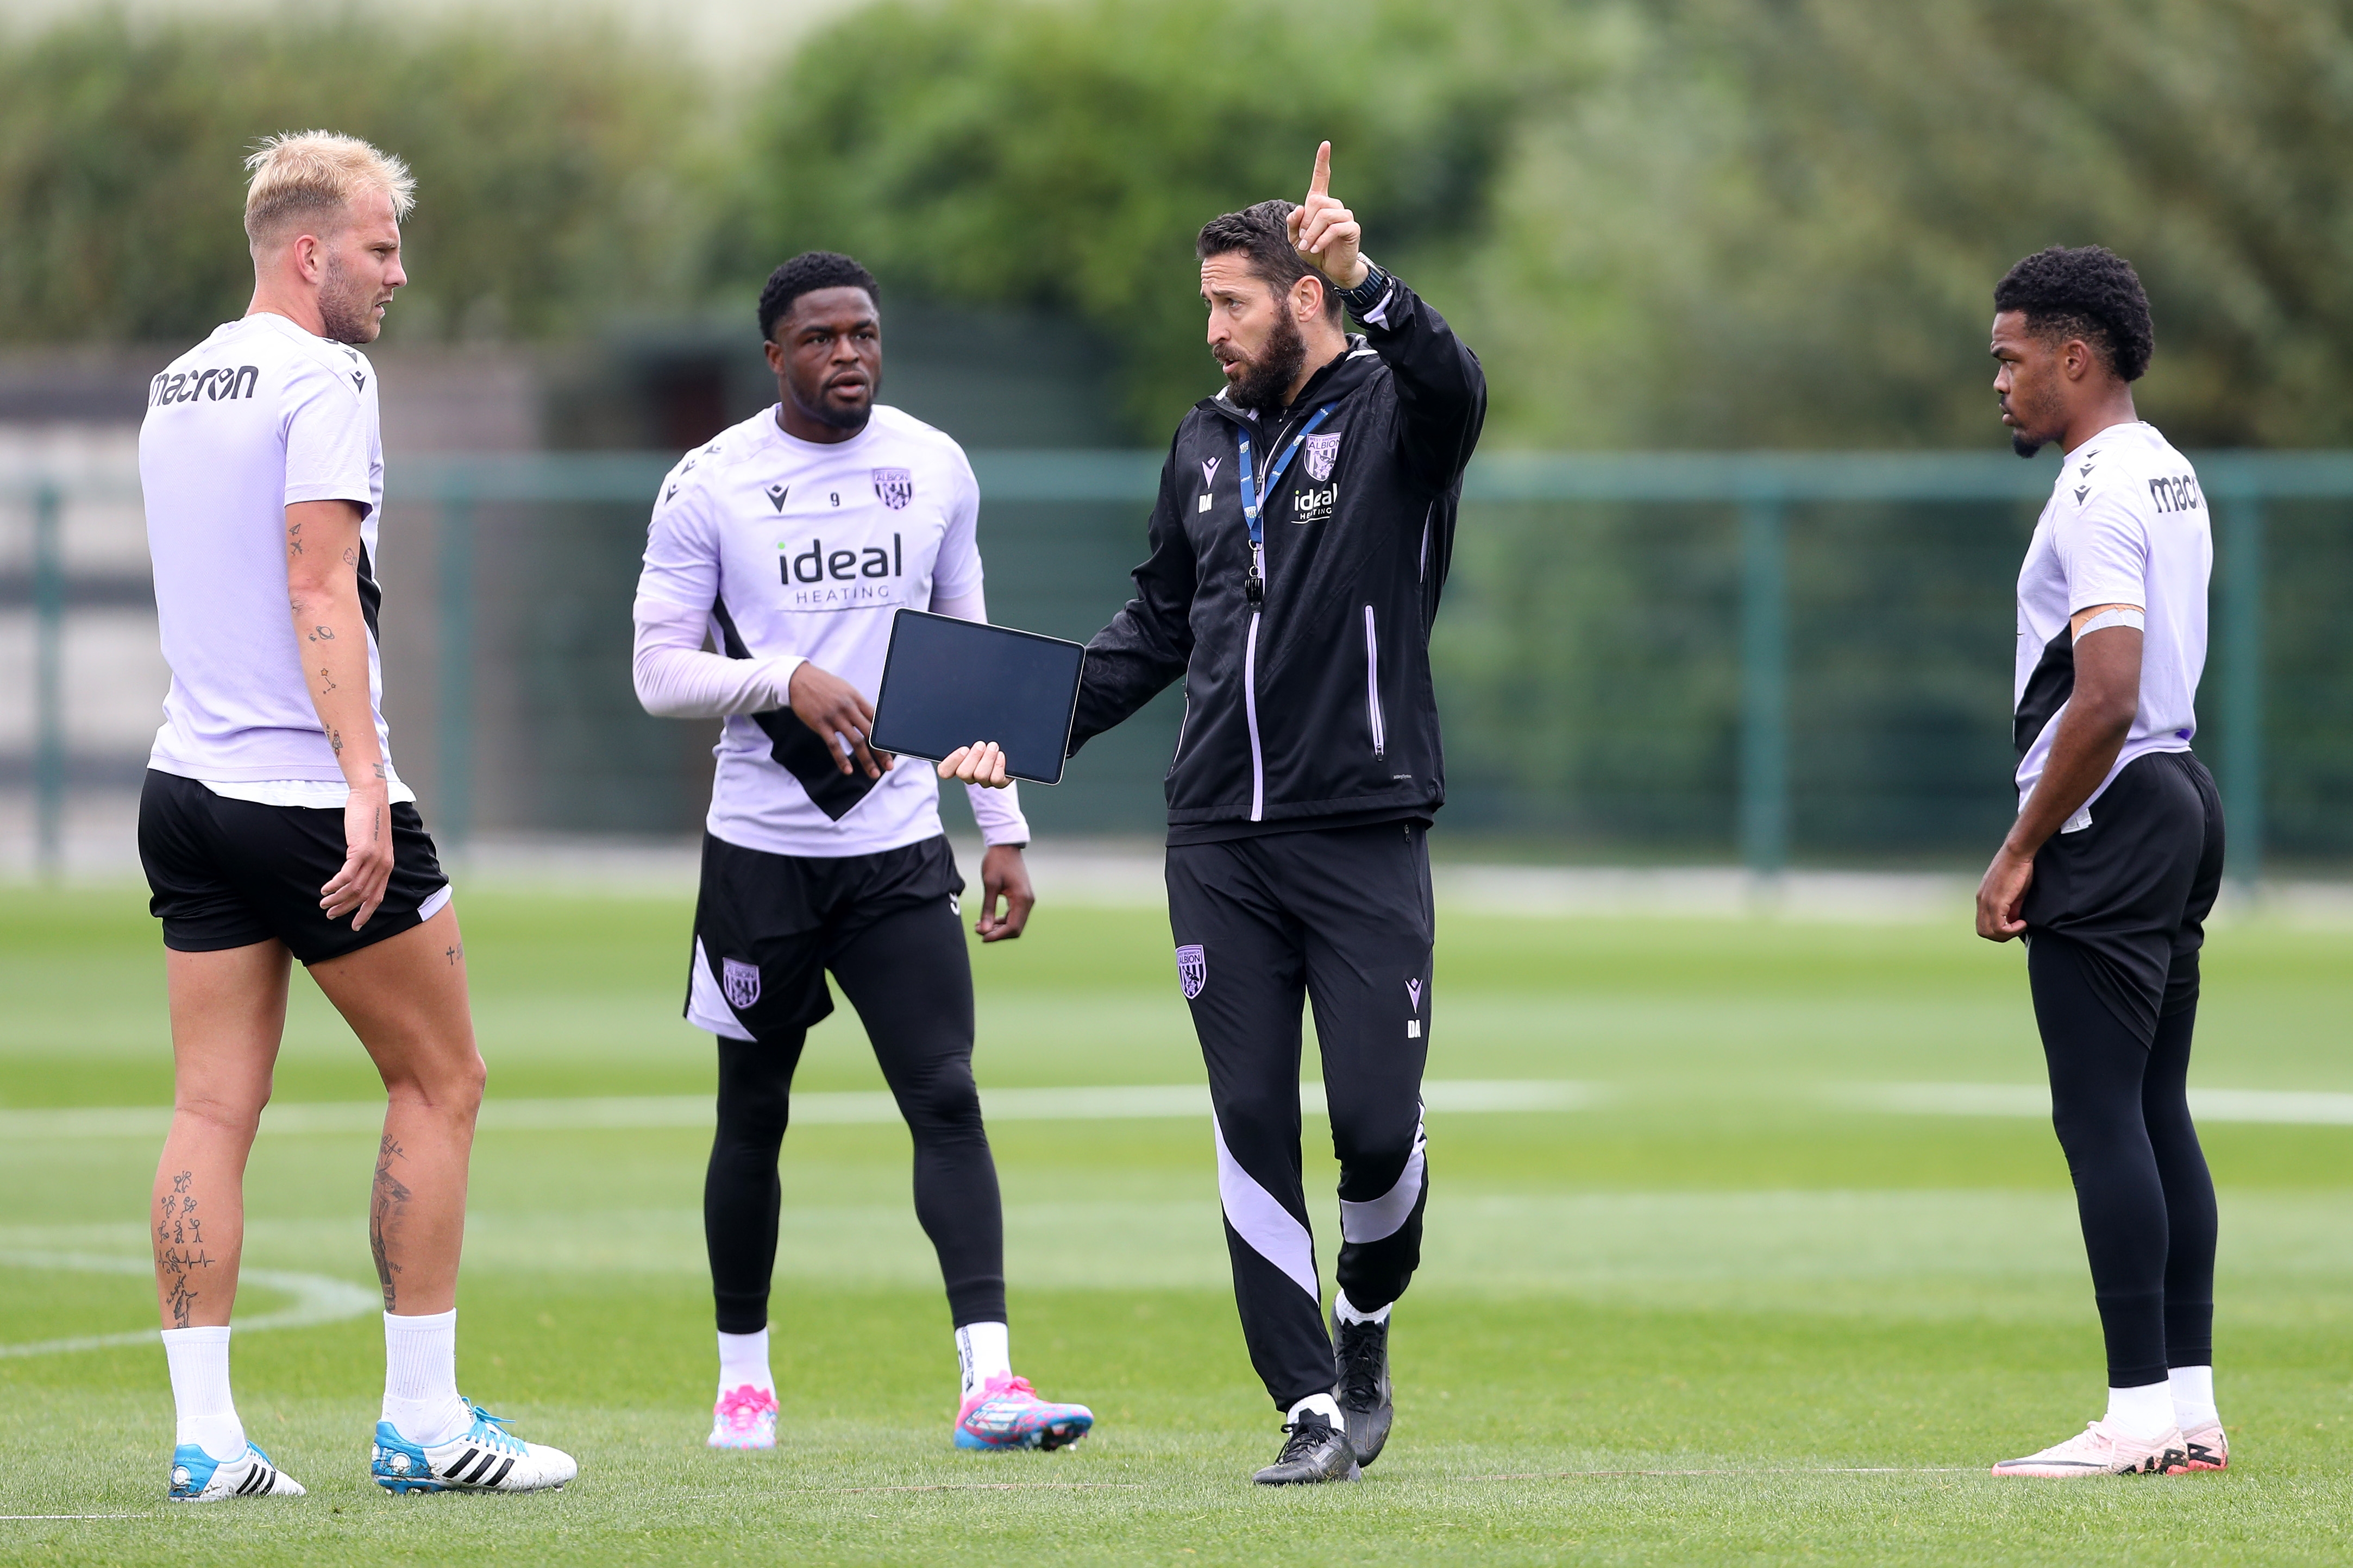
[1349, 1315]
[1324, 1406]
[2145, 1412]
[2192, 1388]
[982, 1352]
[420, 1377]
[743, 1359]
[207, 1415]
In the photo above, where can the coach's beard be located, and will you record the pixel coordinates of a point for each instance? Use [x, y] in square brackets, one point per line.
[2023, 445]
[1265, 382]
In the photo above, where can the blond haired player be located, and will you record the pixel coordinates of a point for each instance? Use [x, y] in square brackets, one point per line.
[274, 827]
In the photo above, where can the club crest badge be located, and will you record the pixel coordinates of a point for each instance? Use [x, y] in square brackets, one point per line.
[1192, 969]
[896, 486]
[1322, 451]
[740, 981]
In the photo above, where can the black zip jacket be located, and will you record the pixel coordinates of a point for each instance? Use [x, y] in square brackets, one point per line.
[1314, 708]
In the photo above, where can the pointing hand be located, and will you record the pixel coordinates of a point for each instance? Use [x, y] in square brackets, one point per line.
[1325, 233]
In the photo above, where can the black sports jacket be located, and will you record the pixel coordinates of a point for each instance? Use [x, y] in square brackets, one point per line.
[1313, 707]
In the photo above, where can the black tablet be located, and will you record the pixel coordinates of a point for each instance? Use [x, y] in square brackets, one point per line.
[947, 683]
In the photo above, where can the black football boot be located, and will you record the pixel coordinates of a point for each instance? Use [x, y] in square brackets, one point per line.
[1313, 1451]
[1360, 1365]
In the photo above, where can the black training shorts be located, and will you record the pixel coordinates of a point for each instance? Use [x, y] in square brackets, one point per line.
[766, 927]
[2135, 887]
[229, 873]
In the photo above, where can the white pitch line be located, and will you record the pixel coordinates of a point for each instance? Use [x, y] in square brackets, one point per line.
[1766, 1471]
[2307, 1108]
[317, 1300]
[853, 1107]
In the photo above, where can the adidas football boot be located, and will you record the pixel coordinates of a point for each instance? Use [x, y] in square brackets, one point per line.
[197, 1476]
[484, 1457]
[1007, 1414]
[745, 1417]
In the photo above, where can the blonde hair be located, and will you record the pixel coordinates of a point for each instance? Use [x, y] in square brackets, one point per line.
[298, 174]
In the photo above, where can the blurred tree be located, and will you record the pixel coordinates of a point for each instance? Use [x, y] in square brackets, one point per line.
[1062, 155]
[1778, 222]
[553, 170]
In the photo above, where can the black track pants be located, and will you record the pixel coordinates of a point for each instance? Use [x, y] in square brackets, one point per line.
[2122, 1111]
[1343, 918]
[910, 979]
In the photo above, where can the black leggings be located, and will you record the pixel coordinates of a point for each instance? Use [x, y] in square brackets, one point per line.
[910, 979]
[2122, 1111]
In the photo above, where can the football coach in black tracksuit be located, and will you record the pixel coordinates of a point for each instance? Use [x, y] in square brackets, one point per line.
[1303, 532]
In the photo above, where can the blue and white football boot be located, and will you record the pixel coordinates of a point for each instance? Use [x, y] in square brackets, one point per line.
[484, 1457]
[197, 1476]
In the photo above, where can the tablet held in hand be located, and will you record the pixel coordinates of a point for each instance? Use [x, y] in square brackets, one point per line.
[947, 683]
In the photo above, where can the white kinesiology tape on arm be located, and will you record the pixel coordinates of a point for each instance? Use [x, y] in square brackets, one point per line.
[2122, 616]
[676, 679]
[998, 811]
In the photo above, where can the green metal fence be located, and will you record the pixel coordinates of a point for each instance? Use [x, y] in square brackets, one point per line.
[1679, 655]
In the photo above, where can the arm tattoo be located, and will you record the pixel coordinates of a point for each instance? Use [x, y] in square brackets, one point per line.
[350, 558]
[329, 680]
[335, 739]
[384, 770]
[454, 952]
[322, 634]
[294, 537]
[388, 1206]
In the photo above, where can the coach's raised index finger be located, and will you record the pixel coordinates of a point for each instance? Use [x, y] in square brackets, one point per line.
[1321, 184]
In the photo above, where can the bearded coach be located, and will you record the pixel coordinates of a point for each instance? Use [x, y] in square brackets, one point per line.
[1303, 528]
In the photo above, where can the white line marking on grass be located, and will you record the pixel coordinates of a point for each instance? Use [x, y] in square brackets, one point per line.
[1766, 1471]
[2308, 1108]
[988, 1487]
[851, 1108]
[15, 1517]
[317, 1300]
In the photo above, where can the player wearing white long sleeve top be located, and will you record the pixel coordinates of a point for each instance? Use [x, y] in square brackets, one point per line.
[786, 545]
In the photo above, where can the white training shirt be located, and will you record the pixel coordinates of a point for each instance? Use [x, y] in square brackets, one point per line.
[807, 550]
[258, 415]
[2126, 524]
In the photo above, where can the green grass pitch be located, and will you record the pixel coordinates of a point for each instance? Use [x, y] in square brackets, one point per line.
[1723, 1311]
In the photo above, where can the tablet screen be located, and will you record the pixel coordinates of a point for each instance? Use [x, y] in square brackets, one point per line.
[947, 683]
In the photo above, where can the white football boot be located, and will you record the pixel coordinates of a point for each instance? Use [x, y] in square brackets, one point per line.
[2101, 1449]
[484, 1457]
[2208, 1449]
[745, 1417]
[197, 1476]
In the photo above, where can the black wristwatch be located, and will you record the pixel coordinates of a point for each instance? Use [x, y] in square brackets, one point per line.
[1367, 295]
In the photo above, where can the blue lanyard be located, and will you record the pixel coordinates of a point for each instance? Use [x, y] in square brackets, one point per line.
[1254, 496]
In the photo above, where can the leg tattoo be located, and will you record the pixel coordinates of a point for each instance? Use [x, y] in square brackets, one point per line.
[387, 1206]
[180, 1256]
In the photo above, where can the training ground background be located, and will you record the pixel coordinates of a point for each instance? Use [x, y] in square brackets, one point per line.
[1748, 1241]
